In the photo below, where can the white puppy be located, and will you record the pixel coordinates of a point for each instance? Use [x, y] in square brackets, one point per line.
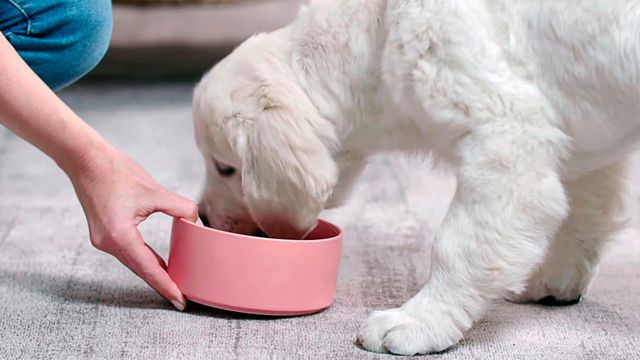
[535, 104]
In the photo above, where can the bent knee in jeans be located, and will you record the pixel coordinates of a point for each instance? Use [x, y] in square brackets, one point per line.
[61, 40]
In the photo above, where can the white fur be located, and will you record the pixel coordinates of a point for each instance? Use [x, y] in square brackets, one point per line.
[534, 104]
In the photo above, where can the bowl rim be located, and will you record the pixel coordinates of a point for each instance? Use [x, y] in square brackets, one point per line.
[251, 237]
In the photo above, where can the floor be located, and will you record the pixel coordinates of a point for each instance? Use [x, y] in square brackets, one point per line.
[60, 298]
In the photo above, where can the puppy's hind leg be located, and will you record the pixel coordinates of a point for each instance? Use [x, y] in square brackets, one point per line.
[598, 212]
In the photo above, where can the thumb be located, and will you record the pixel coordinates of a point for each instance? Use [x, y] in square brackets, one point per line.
[177, 206]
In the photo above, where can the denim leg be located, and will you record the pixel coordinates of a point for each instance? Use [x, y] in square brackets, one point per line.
[61, 40]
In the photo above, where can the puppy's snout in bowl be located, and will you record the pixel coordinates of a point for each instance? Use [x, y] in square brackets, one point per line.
[253, 230]
[239, 222]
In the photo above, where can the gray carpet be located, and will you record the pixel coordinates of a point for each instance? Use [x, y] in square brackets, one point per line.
[60, 298]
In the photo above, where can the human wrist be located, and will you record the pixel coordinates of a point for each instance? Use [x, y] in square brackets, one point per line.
[89, 160]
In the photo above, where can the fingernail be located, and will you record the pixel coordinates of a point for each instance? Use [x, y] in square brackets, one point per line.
[178, 304]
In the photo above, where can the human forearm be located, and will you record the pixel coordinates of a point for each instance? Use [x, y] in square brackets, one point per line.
[32, 111]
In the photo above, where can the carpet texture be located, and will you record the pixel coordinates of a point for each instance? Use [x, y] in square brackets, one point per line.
[61, 299]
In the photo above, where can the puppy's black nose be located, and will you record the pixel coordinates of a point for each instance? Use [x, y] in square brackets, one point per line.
[204, 219]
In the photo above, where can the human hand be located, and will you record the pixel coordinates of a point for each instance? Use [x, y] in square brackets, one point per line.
[115, 192]
[117, 195]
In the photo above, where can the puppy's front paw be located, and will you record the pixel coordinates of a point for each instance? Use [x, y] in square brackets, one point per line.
[398, 332]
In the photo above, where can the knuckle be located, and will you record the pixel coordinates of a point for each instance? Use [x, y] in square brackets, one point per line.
[192, 208]
[148, 274]
[114, 235]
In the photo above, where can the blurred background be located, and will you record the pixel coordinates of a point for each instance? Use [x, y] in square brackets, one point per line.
[180, 39]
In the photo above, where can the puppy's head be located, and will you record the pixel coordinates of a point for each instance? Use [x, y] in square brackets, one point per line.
[267, 150]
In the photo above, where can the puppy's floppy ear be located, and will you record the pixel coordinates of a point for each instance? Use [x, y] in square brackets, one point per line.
[288, 172]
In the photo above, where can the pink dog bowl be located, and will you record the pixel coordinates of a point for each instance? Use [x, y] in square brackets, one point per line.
[255, 275]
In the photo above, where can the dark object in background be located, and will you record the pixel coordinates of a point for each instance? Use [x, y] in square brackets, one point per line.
[158, 63]
[181, 39]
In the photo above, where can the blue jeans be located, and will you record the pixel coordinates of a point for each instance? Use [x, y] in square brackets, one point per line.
[61, 40]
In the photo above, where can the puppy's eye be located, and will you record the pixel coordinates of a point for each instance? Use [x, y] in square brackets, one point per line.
[225, 170]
